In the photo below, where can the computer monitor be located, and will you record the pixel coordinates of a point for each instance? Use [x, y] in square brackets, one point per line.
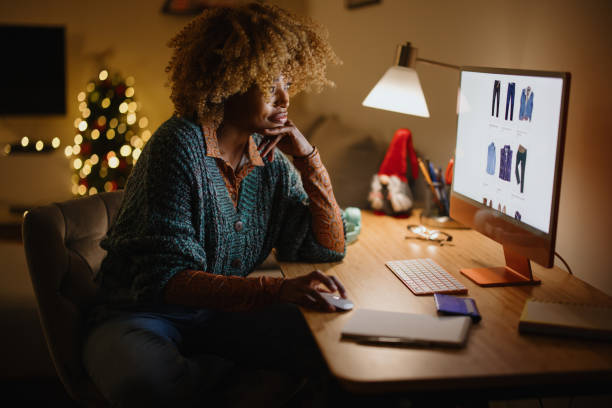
[508, 161]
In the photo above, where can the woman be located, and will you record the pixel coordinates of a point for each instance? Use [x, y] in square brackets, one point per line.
[211, 195]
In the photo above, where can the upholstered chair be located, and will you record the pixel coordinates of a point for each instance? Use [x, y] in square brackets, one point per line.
[62, 247]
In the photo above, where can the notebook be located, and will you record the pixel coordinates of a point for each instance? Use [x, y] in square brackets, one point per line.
[406, 329]
[566, 319]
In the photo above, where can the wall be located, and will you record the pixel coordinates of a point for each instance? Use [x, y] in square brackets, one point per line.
[556, 35]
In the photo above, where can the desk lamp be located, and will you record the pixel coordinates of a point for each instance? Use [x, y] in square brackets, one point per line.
[399, 90]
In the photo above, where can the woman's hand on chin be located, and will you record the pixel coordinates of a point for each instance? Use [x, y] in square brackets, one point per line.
[287, 138]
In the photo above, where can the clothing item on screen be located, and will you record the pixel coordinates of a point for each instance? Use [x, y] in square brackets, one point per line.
[517, 215]
[496, 89]
[505, 163]
[491, 159]
[526, 107]
[510, 104]
[521, 157]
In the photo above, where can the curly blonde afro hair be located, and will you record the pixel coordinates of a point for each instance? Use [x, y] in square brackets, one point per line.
[226, 50]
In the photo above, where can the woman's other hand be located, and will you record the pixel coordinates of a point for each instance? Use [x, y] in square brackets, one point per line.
[304, 290]
[287, 138]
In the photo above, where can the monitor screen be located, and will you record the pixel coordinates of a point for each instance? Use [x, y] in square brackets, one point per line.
[510, 135]
[507, 137]
[33, 70]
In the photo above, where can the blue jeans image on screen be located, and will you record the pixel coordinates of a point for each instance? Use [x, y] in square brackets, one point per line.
[510, 95]
[496, 88]
[521, 157]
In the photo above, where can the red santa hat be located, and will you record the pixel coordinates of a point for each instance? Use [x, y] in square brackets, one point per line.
[400, 151]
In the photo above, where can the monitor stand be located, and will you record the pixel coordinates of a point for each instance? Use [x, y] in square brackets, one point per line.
[516, 272]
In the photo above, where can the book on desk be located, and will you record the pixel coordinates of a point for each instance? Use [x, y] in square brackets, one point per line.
[566, 319]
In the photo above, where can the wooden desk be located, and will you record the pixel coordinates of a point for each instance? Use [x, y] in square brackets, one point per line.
[496, 355]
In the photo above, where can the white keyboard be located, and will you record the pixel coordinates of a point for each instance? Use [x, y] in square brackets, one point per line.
[424, 276]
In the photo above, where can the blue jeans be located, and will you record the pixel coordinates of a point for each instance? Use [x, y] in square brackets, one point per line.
[509, 96]
[496, 88]
[174, 356]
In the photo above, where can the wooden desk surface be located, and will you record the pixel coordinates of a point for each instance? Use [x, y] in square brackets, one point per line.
[496, 355]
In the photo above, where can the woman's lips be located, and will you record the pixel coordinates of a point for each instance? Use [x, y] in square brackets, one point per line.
[279, 118]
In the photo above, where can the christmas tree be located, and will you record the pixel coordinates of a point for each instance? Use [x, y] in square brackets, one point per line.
[110, 136]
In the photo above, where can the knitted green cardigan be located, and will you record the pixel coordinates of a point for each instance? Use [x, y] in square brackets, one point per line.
[177, 214]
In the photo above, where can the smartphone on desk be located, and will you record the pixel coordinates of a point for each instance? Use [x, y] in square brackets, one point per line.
[456, 305]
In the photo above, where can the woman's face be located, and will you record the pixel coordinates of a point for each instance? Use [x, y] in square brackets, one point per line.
[253, 112]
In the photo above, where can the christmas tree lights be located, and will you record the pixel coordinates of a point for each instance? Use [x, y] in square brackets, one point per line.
[109, 135]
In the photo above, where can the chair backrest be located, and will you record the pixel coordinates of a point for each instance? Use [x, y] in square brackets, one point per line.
[62, 248]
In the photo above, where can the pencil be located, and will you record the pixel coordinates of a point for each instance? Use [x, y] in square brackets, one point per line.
[431, 186]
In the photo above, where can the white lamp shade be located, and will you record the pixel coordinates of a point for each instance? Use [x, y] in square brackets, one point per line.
[399, 90]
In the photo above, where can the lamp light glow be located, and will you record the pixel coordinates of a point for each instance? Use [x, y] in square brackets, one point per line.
[399, 90]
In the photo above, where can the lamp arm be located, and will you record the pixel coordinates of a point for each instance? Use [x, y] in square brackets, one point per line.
[442, 64]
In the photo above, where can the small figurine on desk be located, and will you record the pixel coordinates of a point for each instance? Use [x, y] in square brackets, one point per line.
[390, 192]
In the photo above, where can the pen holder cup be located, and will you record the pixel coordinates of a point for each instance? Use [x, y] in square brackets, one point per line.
[436, 205]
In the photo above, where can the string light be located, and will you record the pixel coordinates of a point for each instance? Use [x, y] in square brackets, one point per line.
[39, 145]
[125, 150]
[136, 154]
[25, 141]
[113, 162]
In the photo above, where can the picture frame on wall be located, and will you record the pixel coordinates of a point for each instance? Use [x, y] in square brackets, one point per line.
[193, 7]
[353, 4]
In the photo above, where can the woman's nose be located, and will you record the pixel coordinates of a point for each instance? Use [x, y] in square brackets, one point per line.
[282, 98]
